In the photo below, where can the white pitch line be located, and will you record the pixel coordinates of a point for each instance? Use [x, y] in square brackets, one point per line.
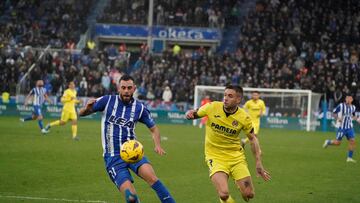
[49, 199]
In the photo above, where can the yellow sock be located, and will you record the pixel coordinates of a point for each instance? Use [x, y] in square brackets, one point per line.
[55, 123]
[74, 130]
[229, 200]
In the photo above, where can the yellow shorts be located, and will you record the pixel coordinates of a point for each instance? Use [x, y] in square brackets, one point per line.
[67, 115]
[237, 169]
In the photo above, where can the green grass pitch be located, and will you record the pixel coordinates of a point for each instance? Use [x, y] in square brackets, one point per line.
[56, 168]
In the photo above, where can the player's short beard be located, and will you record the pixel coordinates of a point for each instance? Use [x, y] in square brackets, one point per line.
[126, 99]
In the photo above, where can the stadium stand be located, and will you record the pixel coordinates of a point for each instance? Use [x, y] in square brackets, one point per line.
[299, 52]
[199, 13]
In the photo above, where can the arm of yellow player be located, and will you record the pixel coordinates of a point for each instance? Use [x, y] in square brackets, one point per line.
[198, 113]
[263, 109]
[66, 97]
[255, 148]
[157, 140]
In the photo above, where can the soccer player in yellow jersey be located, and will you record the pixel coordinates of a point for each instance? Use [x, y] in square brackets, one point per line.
[68, 113]
[256, 108]
[223, 152]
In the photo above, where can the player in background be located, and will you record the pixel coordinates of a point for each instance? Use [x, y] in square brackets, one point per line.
[224, 154]
[39, 95]
[120, 114]
[69, 101]
[204, 101]
[256, 108]
[344, 115]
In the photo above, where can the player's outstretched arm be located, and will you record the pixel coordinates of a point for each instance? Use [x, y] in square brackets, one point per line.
[87, 109]
[157, 140]
[255, 148]
[192, 114]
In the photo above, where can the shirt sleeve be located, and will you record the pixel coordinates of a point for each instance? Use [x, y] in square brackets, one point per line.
[263, 107]
[32, 92]
[146, 118]
[100, 103]
[247, 125]
[203, 111]
[337, 109]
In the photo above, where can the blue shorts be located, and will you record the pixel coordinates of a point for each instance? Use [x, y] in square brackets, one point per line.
[118, 169]
[349, 133]
[37, 110]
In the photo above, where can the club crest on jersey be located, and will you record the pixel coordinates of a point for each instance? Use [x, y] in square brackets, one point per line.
[235, 123]
[121, 121]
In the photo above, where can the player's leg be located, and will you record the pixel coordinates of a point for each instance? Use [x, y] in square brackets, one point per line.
[218, 172]
[73, 118]
[246, 188]
[33, 115]
[63, 119]
[146, 172]
[337, 141]
[220, 182]
[119, 174]
[128, 190]
[351, 138]
[241, 175]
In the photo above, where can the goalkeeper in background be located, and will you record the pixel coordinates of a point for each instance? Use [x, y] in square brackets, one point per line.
[256, 108]
[68, 113]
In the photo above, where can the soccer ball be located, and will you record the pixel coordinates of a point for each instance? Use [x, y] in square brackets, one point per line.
[131, 151]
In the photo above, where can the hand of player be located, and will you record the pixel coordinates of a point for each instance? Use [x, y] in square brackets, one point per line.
[190, 114]
[260, 171]
[159, 150]
[90, 103]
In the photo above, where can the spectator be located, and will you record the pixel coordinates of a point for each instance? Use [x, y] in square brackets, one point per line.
[167, 95]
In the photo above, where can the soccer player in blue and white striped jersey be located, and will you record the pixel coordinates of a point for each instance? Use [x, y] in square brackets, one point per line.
[344, 114]
[120, 115]
[38, 95]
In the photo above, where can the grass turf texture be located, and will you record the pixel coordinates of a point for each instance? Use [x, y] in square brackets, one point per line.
[55, 166]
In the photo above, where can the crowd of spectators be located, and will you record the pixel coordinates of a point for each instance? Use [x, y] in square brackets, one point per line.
[281, 45]
[38, 23]
[199, 13]
[303, 44]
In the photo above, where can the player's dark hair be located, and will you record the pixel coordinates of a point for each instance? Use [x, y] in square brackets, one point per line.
[255, 91]
[126, 78]
[238, 89]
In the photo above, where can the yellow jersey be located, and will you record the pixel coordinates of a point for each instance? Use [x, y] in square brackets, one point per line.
[69, 100]
[255, 109]
[222, 131]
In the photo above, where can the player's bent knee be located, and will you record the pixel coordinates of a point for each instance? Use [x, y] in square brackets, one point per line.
[223, 195]
[248, 194]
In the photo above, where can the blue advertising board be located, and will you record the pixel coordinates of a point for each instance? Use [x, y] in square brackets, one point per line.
[159, 32]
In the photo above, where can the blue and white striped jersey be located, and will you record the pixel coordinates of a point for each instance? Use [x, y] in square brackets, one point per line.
[38, 95]
[118, 121]
[345, 112]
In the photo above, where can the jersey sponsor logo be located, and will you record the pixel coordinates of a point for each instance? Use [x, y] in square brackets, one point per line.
[121, 121]
[235, 123]
[217, 116]
[223, 129]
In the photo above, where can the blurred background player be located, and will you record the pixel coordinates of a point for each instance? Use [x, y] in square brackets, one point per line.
[39, 95]
[120, 114]
[344, 114]
[256, 108]
[204, 119]
[223, 152]
[69, 112]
